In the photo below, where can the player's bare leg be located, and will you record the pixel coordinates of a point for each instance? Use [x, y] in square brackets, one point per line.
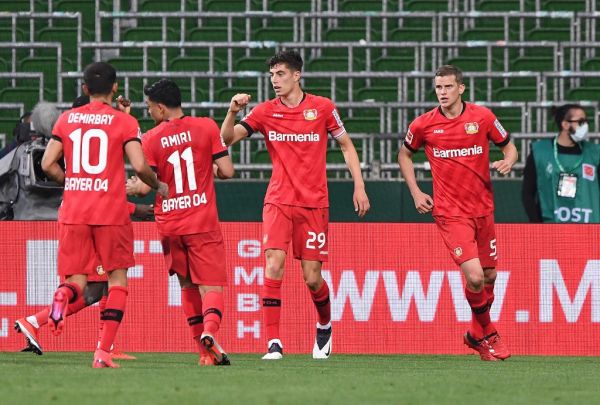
[212, 306]
[493, 337]
[68, 292]
[319, 291]
[477, 299]
[274, 270]
[112, 316]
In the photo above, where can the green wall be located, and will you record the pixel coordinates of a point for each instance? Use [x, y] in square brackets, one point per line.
[390, 201]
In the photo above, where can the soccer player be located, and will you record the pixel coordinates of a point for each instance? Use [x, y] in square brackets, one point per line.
[93, 218]
[187, 152]
[456, 138]
[295, 125]
[96, 290]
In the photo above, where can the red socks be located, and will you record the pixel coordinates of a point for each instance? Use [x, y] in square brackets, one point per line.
[102, 306]
[272, 307]
[322, 304]
[191, 301]
[478, 301]
[213, 311]
[112, 316]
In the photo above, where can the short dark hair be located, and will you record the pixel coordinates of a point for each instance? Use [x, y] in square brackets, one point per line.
[560, 112]
[80, 101]
[165, 92]
[291, 58]
[99, 78]
[450, 70]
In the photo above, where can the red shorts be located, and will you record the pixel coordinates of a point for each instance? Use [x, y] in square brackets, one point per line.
[200, 255]
[305, 227]
[80, 247]
[468, 238]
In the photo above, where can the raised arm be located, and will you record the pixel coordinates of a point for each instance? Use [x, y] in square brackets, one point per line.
[230, 131]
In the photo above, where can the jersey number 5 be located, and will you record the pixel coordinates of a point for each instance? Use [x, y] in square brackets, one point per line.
[175, 160]
[81, 150]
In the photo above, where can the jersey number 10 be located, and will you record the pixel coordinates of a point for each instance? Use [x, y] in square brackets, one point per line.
[81, 150]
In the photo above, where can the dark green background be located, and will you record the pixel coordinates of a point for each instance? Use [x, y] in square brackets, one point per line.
[390, 201]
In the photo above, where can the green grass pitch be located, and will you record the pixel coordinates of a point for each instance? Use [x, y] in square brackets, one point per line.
[168, 378]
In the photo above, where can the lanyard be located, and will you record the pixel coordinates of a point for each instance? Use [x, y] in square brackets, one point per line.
[560, 166]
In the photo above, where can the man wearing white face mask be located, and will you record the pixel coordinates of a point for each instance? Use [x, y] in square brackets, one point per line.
[560, 181]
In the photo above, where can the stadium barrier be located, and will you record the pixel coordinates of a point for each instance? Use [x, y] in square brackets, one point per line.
[394, 290]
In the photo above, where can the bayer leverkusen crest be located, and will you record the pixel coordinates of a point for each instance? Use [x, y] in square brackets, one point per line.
[310, 115]
[471, 128]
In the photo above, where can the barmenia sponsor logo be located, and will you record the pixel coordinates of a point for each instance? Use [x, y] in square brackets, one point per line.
[276, 136]
[453, 153]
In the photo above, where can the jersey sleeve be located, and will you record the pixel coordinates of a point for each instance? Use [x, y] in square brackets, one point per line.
[131, 130]
[414, 136]
[496, 132]
[147, 148]
[335, 125]
[252, 120]
[57, 133]
[218, 147]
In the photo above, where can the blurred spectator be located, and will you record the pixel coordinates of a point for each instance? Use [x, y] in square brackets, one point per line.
[21, 133]
[560, 182]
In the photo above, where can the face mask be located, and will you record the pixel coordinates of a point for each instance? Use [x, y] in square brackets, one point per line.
[580, 134]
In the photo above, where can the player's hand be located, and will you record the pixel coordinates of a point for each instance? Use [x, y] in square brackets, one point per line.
[143, 211]
[163, 189]
[239, 101]
[423, 203]
[502, 166]
[361, 202]
[133, 186]
[124, 105]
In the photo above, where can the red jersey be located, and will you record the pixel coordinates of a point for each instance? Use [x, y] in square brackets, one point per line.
[458, 151]
[182, 151]
[93, 137]
[296, 139]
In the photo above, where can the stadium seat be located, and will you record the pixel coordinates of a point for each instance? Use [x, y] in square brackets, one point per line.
[6, 33]
[426, 5]
[279, 34]
[583, 93]
[213, 34]
[377, 94]
[360, 5]
[149, 34]
[533, 63]
[291, 5]
[26, 95]
[515, 93]
[132, 64]
[65, 35]
[564, 5]
[261, 156]
[195, 64]
[362, 124]
[394, 63]
[334, 156]
[499, 6]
